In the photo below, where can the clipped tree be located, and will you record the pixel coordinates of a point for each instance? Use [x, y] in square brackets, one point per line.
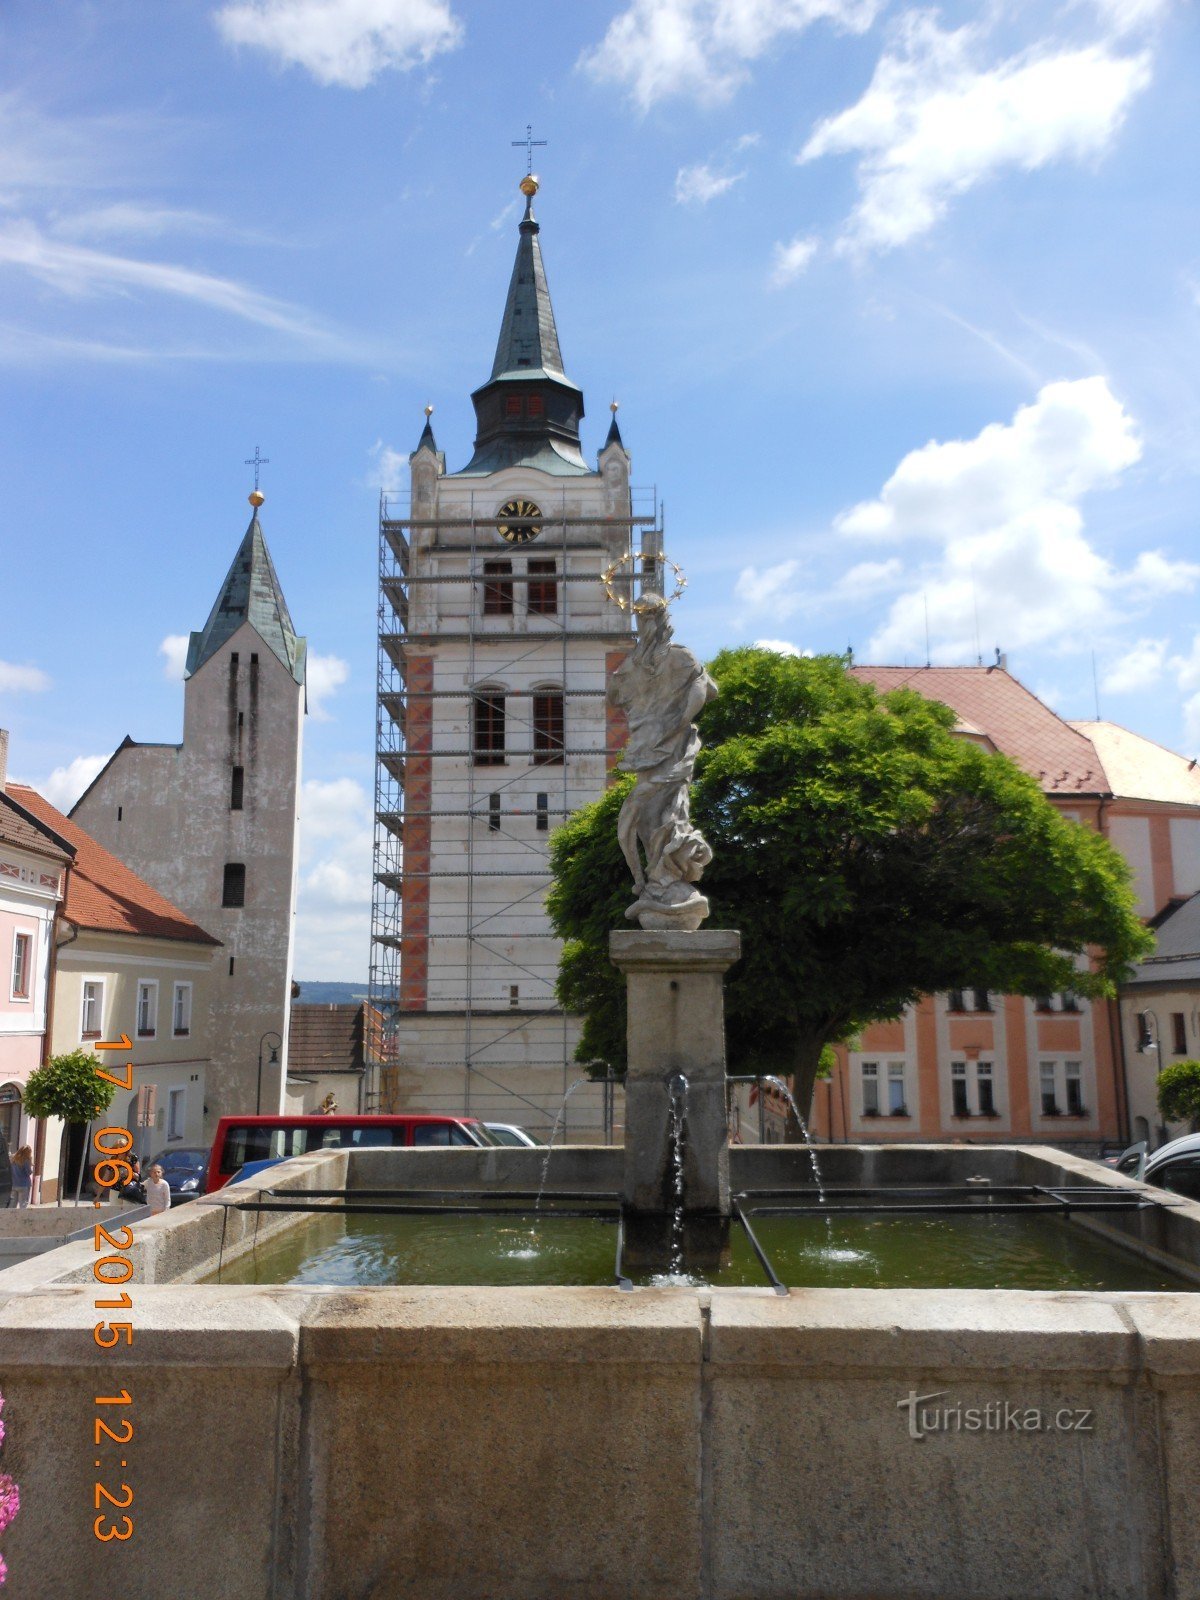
[1179, 1092]
[868, 856]
[68, 1087]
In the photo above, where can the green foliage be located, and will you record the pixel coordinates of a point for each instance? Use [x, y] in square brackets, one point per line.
[67, 1086]
[1179, 1091]
[868, 856]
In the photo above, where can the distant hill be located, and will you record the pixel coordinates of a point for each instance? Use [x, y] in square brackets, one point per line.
[325, 994]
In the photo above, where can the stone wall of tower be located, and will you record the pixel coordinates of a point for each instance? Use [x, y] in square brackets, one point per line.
[480, 1026]
[167, 811]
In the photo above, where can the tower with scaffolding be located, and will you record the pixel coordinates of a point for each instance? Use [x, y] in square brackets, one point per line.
[497, 640]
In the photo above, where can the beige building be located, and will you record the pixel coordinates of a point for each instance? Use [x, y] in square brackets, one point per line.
[212, 822]
[126, 964]
[1160, 1018]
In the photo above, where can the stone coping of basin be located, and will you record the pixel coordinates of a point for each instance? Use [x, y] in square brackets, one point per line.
[818, 1330]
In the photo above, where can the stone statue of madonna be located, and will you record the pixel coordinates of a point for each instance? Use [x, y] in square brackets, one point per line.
[661, 687]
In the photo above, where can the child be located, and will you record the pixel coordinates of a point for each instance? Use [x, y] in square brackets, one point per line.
[22, 1176]
[158, 1193]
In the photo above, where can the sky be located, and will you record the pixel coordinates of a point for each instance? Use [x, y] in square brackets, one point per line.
[901, 306]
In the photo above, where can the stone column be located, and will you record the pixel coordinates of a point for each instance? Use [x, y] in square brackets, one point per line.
[675, 983]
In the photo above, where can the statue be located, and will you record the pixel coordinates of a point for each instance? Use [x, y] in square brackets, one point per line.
[661, 687]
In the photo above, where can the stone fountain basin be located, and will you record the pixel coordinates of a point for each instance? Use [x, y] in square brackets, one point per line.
[370, 1443]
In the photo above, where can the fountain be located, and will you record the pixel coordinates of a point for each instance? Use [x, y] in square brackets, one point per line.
[673, 969]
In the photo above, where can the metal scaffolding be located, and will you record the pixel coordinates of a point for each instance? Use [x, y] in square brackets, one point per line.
[401, 581]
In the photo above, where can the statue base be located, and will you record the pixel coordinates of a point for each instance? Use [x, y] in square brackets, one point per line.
[676, 1027]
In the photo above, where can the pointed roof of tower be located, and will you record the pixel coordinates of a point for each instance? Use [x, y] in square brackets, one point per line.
[250, 593]
[614, 433]
[427, 441]
[528, 343]
[528, 412]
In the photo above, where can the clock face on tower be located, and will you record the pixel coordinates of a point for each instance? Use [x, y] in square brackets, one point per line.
[519, 521]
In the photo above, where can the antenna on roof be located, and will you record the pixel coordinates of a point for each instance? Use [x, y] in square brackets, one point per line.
[975, 606]
[925, 598]
[1095, 686]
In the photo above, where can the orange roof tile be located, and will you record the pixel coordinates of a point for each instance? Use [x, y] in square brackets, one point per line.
[18, 829]
[1021, 727]
[102, 893]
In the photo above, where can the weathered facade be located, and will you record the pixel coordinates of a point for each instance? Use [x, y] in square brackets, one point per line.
[497, 642]
[212, 822]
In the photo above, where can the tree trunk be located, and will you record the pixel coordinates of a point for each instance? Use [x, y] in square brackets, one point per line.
[806, 1062]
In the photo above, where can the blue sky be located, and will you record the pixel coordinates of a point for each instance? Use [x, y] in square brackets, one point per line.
[902, 307]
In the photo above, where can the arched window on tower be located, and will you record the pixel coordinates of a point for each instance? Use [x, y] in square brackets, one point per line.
[547, 727]
[487, 727]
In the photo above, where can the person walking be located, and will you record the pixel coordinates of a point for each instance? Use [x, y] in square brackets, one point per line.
[158, 1192]
[22, 1176]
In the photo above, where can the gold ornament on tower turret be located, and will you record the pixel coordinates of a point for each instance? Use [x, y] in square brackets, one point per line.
[529, 186]
[256, 498]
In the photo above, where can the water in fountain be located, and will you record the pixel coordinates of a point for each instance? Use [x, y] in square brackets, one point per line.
[558, 1122]
[678, 1132]
[778, 1083]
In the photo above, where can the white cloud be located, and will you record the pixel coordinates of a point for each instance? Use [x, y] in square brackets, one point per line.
[781, 647]
[993, 528]
[344, 42]
[76, 270]
[390, 467]
[934, 122]
[788, 261]
[173, 650]
[1140, 667]
[769, 590]
[325, 675]
[870, 578]
[65, 784]
[334, 899]
[15, 679]
[699, 184]
[658, 48]
[127, 219]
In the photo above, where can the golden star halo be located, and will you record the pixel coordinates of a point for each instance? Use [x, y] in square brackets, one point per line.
[641, 607]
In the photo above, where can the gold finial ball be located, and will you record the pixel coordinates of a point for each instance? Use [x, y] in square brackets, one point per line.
[256, 498]
[428, 411]
[529, 186]
[614, 406]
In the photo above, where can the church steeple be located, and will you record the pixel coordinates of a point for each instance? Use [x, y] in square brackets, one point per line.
[251, 593]
[528, 412]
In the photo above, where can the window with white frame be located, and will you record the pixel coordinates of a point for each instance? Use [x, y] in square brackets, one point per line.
[22, 966]
[147, 1009]
[883, 1089]
[972, 1089]
[1061, 1086]
[176, 1099]
[181, 1010]
[91, 1017]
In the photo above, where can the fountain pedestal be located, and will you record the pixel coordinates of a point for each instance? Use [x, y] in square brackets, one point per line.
[675, 983]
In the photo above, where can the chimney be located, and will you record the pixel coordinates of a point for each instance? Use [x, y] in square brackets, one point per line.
[3, 758]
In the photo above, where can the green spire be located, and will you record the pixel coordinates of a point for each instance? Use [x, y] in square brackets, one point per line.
[250, 593]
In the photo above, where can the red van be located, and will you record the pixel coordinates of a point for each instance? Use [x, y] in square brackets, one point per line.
[242, 1139]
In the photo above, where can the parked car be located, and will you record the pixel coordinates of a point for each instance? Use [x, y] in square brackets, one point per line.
[1174, 1166]
[242, 1140]
[184, 1170]
[509, 1133]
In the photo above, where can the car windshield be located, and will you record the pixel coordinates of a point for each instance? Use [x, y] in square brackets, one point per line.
[503, 1135]
[180, 1158]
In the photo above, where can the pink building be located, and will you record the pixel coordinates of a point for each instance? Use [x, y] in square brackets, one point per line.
[979, 1066]
[33, 867]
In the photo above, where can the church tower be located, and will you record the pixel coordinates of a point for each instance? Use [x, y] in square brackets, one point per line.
[212, 822]
[497, 640]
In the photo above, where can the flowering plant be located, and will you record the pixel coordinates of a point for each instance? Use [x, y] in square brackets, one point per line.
[10, 1501]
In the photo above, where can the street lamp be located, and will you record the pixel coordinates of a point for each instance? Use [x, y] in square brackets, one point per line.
[272, 1061]
[1148, 1041]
